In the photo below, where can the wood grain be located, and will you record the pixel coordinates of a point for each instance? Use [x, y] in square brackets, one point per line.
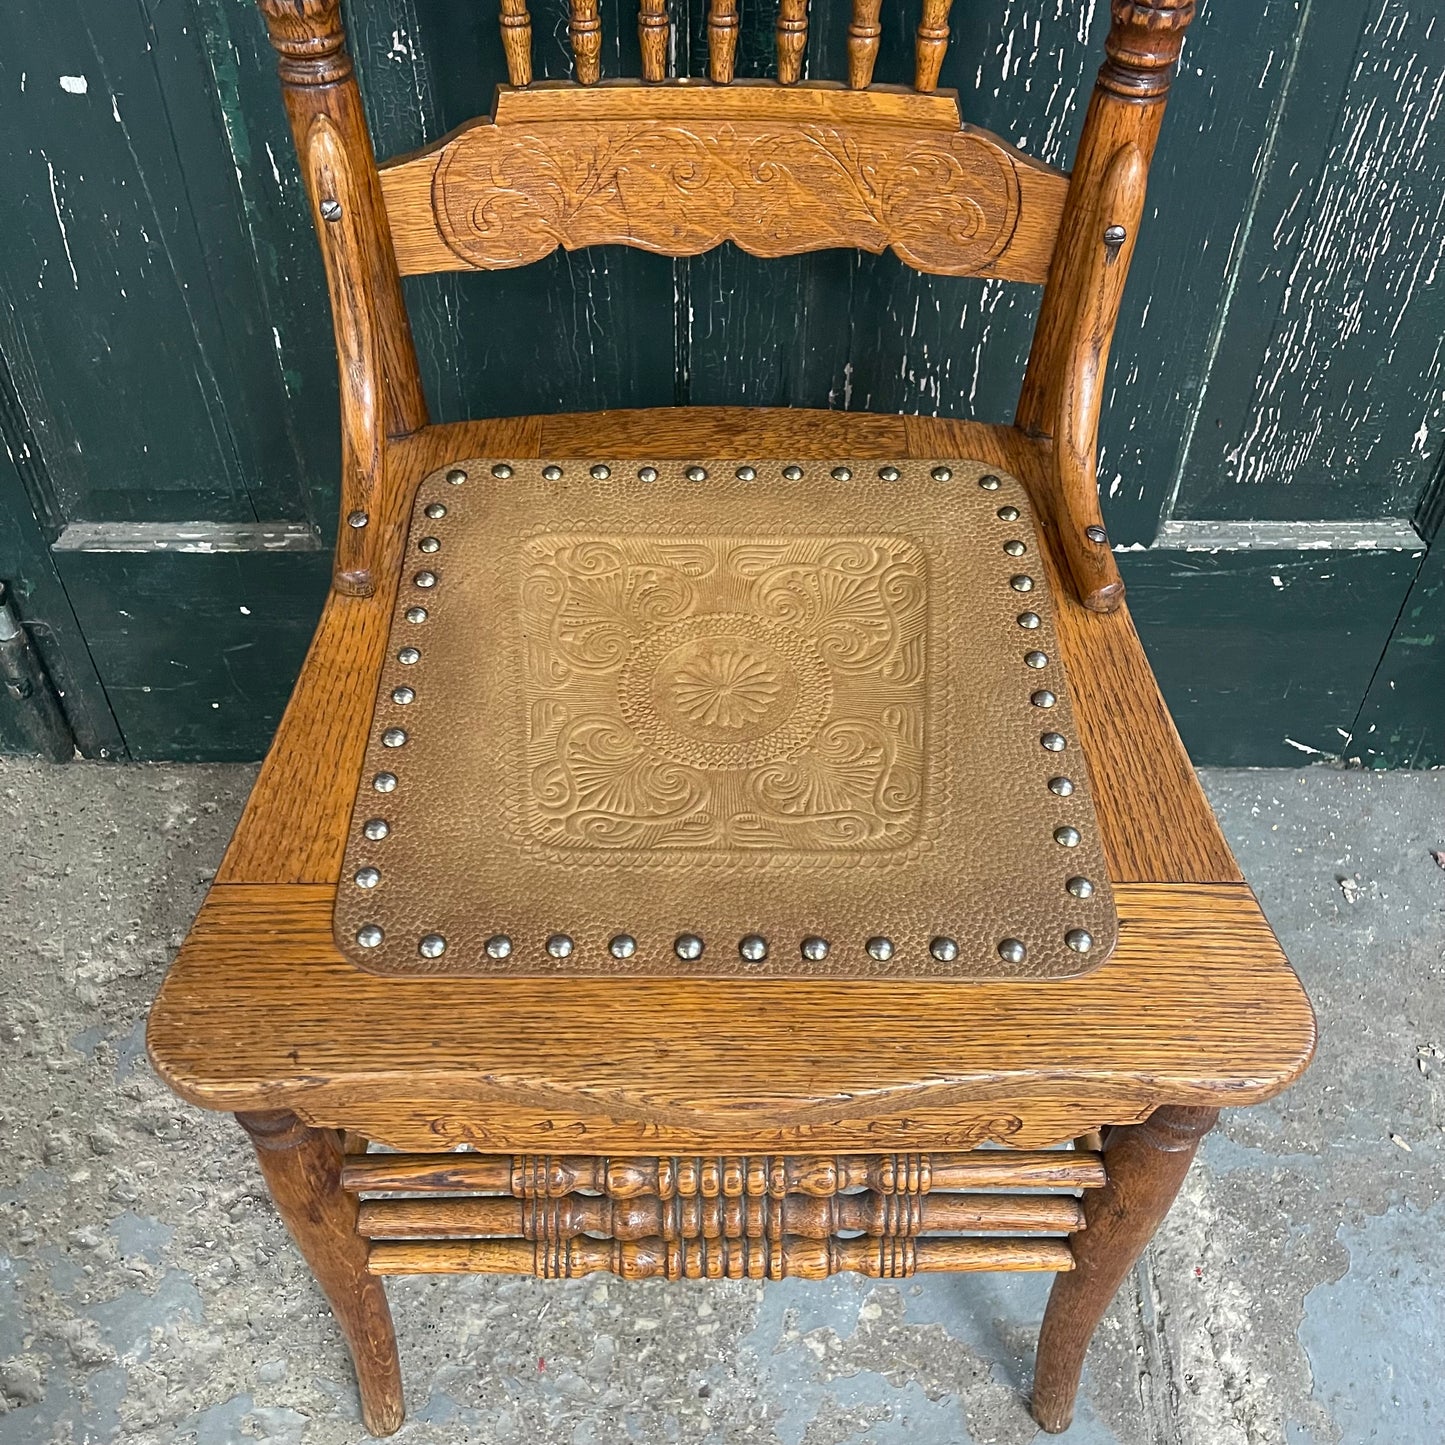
[1124, 116]
[516, 23]
[931, 43]
[654, 29]
[585, 31]
[666, 168]
[260, 1010]
[528, 1176]
[813, 101]
[864, 32]
[624, 1120]
[722, 1217]
[722, 40]
[792, 39]
[302, 1169]
[707, 1259]
[1146, 1165]
[1083, 542]
[317, 79]
[346, 243]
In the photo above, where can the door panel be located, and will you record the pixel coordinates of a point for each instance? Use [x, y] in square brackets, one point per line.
[1329, 384]
[38, 601]
[1274, 407]
[196, 651]
[134, 332]
[1295, 700]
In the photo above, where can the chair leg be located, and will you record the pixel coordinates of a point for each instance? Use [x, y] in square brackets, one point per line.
[1146, 1164]
[302, 1168]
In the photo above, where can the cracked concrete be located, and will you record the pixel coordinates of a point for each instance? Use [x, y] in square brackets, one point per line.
[148, 1294]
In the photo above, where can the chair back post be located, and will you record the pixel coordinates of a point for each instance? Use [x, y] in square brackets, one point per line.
[1064, 385]
[381, 392]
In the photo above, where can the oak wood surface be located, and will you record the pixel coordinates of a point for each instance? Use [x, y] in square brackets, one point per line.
[707, 1259]
[813, 101]
[654, 29]
[728, 1218]
[585, 32]
[1064, 381]
[516, 25]
[722, 41]
[380, 384]
[638, 1108]
[1154, 820]
[930, 44]
[1197, 1005]
[317, 79]
[678, 168]
[1146, 1165]
[625, 1178]
[1083, 542]
[302, 1169]
[346, 246]
[792, 39]
[864, 33]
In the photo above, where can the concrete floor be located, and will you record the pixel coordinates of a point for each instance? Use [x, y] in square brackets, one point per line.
[148, 1293]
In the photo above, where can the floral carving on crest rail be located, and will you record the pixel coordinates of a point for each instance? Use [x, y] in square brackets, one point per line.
[945, 201]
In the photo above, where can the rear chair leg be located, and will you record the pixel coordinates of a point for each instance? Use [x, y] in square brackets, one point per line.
[1146, 1164]
[302, 1167]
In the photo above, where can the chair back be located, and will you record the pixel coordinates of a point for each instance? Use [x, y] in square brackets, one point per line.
[677, 165]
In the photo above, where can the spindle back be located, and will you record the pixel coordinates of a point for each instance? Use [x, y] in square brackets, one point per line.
[654, 26]
[679, 165]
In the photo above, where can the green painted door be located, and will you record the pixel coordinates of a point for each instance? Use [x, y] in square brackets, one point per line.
[1270, 451]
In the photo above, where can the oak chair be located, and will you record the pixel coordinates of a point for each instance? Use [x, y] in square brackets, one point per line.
[560, 1104]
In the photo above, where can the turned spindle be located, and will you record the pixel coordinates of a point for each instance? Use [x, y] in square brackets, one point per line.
[722, 40]
[932, 41]
[585, 30]
[863, 33]
[792, 39]
[653, 33]
[516, 24]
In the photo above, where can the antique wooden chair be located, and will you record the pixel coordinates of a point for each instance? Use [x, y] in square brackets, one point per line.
[828, 1090]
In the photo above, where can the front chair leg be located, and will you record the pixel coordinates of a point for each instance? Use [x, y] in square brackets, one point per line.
[1146, 1164]
[302, 1167]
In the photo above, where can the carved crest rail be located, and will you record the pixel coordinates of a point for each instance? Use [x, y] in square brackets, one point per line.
[678, 170]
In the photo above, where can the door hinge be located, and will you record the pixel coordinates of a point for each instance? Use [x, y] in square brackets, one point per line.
[31, 717]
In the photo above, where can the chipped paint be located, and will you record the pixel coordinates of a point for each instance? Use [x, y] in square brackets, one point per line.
[1365, 240]
[194, 537]
[1391, 534]
[60, 219]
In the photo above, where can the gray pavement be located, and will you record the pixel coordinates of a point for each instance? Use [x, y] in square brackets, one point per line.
[148, 1293]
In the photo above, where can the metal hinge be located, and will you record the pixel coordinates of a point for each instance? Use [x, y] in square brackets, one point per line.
[31, 717]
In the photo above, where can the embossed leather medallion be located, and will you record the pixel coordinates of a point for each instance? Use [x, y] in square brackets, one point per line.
[724, 694]
[761, 717]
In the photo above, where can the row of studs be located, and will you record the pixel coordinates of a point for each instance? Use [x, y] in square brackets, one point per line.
[1013, 950]
[370, 935]
[752, 948]
[600, 472]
